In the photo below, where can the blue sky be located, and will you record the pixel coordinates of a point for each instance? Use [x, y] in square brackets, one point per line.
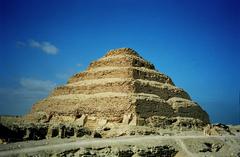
[195, 42]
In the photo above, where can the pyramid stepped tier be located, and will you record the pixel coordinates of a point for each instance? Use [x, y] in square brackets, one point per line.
[121, 61]
[122, 72]
[122, 51]
[96, 86]
[163, 90]
[123, 88]
[113, 105]
[187, 108]
[121, 58]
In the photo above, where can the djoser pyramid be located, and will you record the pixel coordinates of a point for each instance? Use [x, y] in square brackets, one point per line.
[120, 87]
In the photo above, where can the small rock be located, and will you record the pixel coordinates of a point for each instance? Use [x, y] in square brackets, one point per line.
[96, 135]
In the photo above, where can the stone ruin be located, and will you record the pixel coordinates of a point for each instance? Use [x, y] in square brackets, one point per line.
[123, 88]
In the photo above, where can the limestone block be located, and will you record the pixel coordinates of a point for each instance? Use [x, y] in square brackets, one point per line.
[102, 122]
[27, 135]
[82, 120]
[53, 131]
[127, 118]
[134, 121]
[140, 121]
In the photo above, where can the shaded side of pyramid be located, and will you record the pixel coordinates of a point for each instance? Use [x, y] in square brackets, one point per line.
[121, 87]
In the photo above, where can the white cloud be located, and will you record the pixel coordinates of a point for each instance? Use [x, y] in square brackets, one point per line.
[34, 43]
[45, 46]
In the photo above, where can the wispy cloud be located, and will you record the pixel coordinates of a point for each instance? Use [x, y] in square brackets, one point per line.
[21, 98]
[79, 64]
[20, 44]
[29, 88]
[44, 46]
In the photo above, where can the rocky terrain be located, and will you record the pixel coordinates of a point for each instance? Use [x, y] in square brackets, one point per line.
[120, 106]
[124, 141]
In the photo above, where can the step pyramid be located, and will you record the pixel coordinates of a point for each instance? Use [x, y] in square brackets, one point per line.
[121, 87]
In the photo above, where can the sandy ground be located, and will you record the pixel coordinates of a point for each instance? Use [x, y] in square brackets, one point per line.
[183, 143]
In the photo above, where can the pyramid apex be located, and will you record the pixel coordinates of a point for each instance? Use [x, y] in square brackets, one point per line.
[122, 51]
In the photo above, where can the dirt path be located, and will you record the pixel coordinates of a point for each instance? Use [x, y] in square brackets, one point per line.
[67, 145]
